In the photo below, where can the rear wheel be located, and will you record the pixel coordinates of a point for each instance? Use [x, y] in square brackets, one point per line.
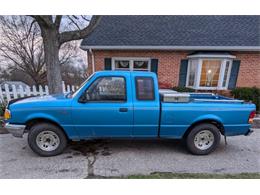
[203, 139]
[47, 139]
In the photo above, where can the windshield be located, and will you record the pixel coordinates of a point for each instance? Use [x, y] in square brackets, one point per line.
[81, 86]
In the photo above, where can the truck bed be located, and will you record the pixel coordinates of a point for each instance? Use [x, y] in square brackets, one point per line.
[179, 111]
[173, 96]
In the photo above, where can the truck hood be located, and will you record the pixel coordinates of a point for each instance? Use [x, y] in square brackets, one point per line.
[56, 100]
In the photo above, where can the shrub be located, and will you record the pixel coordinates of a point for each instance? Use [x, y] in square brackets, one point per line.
[2, 107]
[248, 94]
[183, 89]
[1, 110]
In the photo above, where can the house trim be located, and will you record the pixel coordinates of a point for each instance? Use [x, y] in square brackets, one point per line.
[147, 47]
[215, 56]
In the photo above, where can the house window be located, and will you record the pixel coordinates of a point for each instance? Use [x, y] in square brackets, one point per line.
[131, 64]
[226, 74]
[122, 64]
[140, 65]
[192, 73]
[208, 73]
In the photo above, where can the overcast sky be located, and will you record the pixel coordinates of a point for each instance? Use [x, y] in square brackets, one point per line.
[68, 23]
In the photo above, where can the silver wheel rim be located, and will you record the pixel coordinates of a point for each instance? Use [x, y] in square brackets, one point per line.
[204, 139]
[48, 141]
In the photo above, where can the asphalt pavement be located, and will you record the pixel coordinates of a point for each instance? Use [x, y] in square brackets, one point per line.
[106, 158]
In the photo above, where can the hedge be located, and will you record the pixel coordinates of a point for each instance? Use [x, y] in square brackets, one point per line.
[2, 107]
[251, 94]
[183, 89]
[1, 110]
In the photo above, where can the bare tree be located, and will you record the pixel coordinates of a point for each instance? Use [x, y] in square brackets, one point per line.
[74, 75]
[22, 48]
[54, 34]
[16, 75]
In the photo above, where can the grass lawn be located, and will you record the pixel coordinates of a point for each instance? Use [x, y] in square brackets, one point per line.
[194, 176]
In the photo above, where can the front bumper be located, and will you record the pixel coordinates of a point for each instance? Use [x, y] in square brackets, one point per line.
[15, 130]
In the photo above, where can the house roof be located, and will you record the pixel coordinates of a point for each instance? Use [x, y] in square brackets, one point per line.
[176, 32]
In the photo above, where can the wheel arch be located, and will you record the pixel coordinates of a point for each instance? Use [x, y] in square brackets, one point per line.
[215, 122]
[38, 120]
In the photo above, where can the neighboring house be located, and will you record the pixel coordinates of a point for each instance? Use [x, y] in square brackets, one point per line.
[201, 52]
[16, 84]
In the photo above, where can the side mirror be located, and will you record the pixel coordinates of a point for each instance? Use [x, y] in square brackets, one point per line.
[83, 98]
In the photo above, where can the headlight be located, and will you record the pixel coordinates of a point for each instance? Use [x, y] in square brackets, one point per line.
[7, 114]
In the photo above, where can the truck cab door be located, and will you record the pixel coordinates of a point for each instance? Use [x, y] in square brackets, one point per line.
[146, 105]
[104, 109]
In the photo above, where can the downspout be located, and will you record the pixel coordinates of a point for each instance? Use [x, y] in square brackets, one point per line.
[92, 60]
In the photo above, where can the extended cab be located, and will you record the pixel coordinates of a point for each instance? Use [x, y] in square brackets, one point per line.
[118, 104]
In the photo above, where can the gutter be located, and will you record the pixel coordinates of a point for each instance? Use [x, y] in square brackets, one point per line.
[176, 48]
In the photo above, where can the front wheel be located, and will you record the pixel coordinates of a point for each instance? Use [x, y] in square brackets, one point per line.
[47, 139]
[203, 139]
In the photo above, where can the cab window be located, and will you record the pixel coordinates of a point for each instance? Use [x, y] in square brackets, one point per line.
[107, 89]
[144, 88]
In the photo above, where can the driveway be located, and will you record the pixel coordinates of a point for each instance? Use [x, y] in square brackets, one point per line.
[122, 157]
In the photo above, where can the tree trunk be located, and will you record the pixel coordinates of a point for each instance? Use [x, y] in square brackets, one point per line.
[51, 52]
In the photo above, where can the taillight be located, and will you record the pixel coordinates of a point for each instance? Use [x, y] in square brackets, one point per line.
[251, 116]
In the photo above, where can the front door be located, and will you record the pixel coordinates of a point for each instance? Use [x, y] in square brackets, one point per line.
[106, 111]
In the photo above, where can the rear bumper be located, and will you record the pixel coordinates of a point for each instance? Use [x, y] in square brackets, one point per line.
[249, 132]
[15, 130]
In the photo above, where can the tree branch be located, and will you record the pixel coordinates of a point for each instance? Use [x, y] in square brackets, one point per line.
[80, 34]
[86, 19]
[43, 20]
[58, 21]
[73, 22]
[30, 28]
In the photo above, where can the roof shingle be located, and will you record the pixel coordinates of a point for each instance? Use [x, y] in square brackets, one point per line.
[176, 31]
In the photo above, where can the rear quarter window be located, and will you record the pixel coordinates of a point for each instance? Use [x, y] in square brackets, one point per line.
[144, 88]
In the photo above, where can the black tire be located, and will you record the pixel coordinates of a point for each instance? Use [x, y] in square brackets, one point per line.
[42, 127]
[190, 140]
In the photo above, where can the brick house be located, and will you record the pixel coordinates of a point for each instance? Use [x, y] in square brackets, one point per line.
[200, 52]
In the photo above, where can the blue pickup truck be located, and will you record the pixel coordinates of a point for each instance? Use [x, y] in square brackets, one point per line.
[121, 104]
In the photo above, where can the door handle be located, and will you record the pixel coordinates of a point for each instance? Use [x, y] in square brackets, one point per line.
[123, 109]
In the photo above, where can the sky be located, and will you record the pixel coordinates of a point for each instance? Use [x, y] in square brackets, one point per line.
[67, 24]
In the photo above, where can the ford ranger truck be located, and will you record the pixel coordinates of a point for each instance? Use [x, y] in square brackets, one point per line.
[123, 104]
